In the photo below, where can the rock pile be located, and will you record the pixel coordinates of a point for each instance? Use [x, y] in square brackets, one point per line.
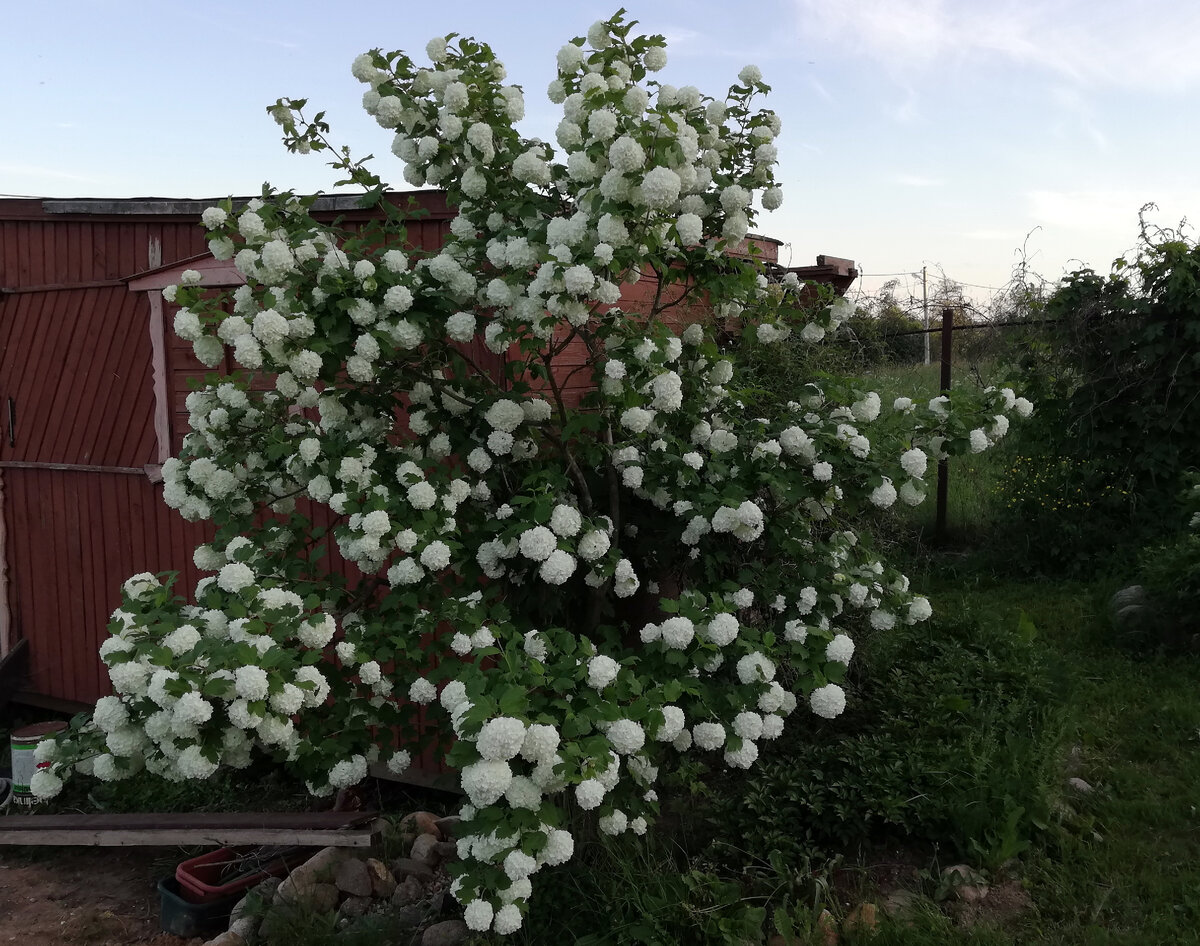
[408, 896]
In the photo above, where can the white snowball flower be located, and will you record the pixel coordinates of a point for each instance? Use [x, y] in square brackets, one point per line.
[755, 667]
[914, 462]
[919, 609]
[422, 691]
[251, 682]
[589, 794]
[602, 670]
[537, 543]
[677, 632]
[840, 649]
[500, 739]
[486, 781]
[828, 701]
[708, 736]
[626, 736]
[478, 915]
[558, 567]
[883, 495]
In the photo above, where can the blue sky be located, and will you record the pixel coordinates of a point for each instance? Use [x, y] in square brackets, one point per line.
[915, 131]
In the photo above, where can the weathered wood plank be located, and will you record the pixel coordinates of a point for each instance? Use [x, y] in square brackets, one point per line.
[315, 829]
[224, 837]
[140, 821]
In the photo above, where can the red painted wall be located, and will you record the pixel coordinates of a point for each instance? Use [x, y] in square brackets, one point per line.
[80, 514]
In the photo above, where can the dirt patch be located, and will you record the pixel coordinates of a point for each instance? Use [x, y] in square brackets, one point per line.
[84, 896]
[1003, 906]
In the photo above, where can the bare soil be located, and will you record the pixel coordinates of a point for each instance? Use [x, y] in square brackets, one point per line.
[72, 896]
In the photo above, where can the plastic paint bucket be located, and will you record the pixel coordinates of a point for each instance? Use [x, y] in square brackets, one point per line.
[24, 743]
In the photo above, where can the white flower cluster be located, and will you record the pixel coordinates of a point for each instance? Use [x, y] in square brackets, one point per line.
[479, 516]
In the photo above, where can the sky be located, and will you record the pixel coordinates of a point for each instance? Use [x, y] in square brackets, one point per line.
[962, 136]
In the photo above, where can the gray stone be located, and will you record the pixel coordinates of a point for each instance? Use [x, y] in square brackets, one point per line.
[902, 903]
[1080, 785]
[448, 825]
[966, 884]
[419, 822]
[407, 867]
[423, 849]
[317, 868]
[228, 938]
[408, 891]
[383, 884]
[322, 898]
[265, 888]
[409, 917]
[1132, 611]
[446, 851]
[1131, 595]
[354, 906]
[353, 877]
[446, 933]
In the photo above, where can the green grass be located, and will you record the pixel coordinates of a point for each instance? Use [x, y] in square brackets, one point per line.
[1120, 865]
[973, 500]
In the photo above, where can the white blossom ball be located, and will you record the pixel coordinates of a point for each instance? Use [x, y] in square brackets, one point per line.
[754, 668]
[673, 720]
[602, 670]
[677, 632]
[914, 462]
[478, 915]
[422, 691]
[558, 567]
[919, 609]
[486, 781]
[501, 738]
[251, 682]
[537, 543]
[589, 794]
[708, 736]
[660, 188]
[626, 736]
[840, 649]
[559, 848]
[722, 629]
[614, 823]
[828, 701]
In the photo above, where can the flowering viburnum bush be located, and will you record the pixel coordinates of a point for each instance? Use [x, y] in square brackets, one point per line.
[584, 562]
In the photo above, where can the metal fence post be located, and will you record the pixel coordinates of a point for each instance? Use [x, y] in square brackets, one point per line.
[943, 483]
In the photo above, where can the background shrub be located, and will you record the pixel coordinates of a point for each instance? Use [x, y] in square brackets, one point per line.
[1115, 377]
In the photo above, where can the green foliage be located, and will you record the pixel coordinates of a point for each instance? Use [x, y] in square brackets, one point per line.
[949, 739]
[1170, 572]
[885, 336]
[1116, 380]
[263, 786]
[644, 892]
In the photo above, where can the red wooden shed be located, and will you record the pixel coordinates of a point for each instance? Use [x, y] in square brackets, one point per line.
[92, 384]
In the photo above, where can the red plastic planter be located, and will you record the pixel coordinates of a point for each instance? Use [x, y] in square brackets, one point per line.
[200, 877]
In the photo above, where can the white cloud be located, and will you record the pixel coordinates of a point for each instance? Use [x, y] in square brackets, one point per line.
[1088, 211]
[1103, 43]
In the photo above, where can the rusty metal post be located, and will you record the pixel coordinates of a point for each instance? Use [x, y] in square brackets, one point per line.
[943, 483]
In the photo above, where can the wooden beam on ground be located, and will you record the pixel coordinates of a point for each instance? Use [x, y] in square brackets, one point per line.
[309, 829]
